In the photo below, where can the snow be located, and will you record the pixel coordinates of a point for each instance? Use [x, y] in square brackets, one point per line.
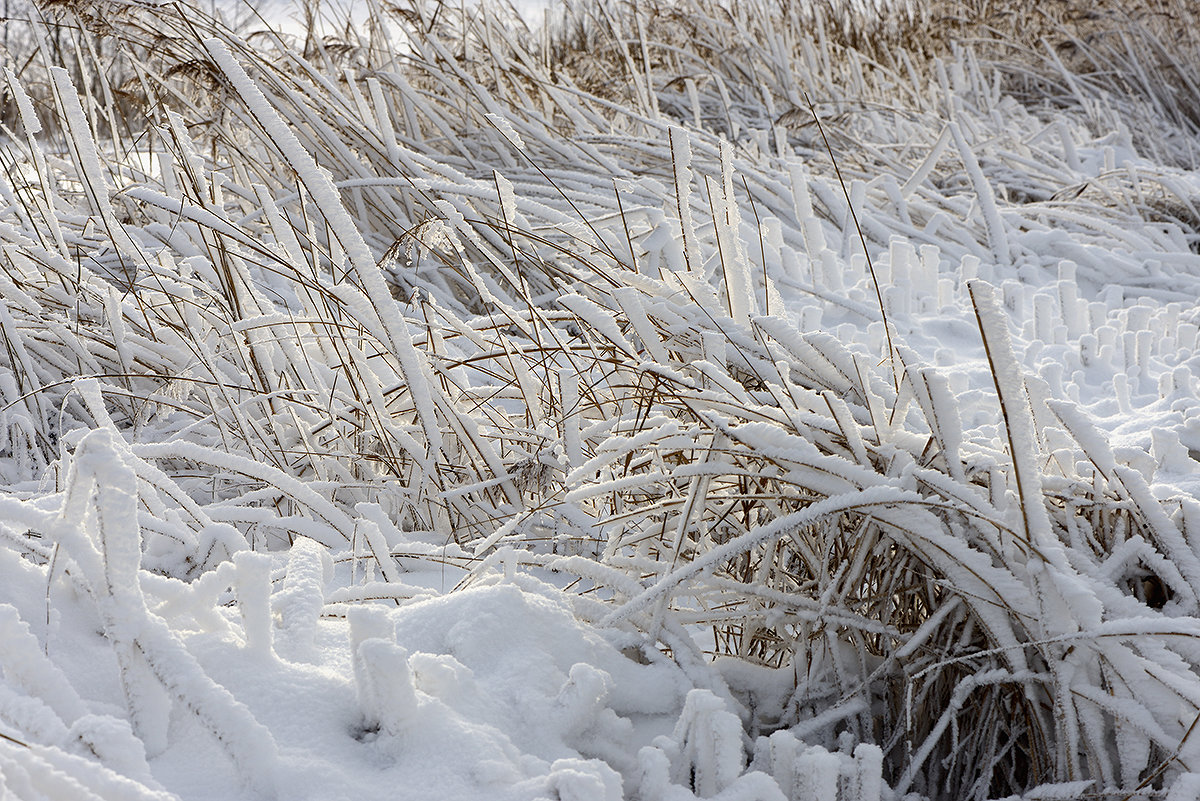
[439, 424]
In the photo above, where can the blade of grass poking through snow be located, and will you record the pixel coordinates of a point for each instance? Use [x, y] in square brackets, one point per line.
[1081, 605]
[1018, 420]
[887, 326]
[732, 251]
[681, 170]
[993, 222]
[83, 151]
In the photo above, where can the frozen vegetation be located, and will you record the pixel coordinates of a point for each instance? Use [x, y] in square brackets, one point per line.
[682, 400]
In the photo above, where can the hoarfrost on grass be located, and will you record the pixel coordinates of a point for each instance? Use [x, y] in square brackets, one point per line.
[434, 412]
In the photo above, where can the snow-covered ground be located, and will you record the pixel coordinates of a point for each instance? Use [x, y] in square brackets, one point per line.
[469, 420]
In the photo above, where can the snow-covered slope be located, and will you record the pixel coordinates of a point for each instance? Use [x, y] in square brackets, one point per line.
[674, 402]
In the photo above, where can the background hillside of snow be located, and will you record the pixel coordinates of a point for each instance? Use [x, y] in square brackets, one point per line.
[496, 415]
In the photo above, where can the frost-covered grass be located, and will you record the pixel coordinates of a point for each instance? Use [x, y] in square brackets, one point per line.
[679, 401]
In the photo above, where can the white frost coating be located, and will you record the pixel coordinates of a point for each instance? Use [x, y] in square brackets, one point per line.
[802, 199]
[30, 717]
[252, 582]
[1175, 547]
[284, 235]
[47, 772]
[366, 623]
[113, 741]
[966, 542]
[151, 658]
[568, 399]
[178, 207]
[83, 146]
[831, 716]
[1063, 791]
[1169, 453]
[868, 762]
[834, 352]
[300, 602]
[1133, 742]
[387, 527]
[81, 141]
[247, 742]
[847, 425]
[119, 536]
[615, 447]
[338, 520]
[654, 775]
[500, 533]
[583, 780]
[101, 534]
[752, 786]
[728, 223]
[782, 751]
[319, 184]
[379, 549]
[592, 489]
[508, 198]
[29, 118]
[681, 165]
[581, 699]
[1083, 607]
[996, 233]
[383, 117]
[779, 527]
[630, 300]
[816, 352]
[709, 737]
[598, 319]
[817, 773]
[387, 673]
[506, 130]
[1095, 445]
[803, 772]
[444, 677]
[1018, 419]
[829, 475]
[927, 166]
[949, 422]
[155, 666]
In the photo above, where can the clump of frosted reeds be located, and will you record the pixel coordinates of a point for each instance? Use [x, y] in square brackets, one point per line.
[426, 287]
[1143, 55]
